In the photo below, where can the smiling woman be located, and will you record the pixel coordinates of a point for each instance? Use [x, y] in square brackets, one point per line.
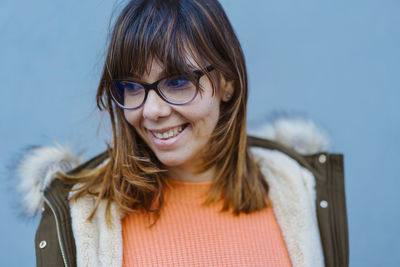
[179, 185]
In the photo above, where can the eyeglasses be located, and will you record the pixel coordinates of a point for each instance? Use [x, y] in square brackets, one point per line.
[176, 90]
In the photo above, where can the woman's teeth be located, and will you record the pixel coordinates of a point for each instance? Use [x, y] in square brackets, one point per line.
[170, 133]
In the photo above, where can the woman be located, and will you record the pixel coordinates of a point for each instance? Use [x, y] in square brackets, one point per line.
[179, 185]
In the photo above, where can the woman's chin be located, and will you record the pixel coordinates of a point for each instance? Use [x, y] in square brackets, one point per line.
[171, 162]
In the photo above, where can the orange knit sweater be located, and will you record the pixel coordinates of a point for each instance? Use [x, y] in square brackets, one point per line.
[189, 234]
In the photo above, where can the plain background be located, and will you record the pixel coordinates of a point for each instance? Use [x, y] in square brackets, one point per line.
[337, 62]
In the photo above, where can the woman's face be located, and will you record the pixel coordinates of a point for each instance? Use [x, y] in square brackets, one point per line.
[190, 125]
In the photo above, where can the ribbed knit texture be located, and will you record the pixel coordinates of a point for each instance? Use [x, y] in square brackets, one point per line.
[189, 234]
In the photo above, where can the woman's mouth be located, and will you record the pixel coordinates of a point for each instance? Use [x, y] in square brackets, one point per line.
[168, 133]
[167, 137]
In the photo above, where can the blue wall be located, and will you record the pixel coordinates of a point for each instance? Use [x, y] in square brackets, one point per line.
[334, 61]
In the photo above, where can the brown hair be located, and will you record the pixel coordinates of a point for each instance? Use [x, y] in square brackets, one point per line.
[170, 31]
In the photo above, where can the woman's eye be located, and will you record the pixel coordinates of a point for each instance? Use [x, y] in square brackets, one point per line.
[131, 87]
[178, 82]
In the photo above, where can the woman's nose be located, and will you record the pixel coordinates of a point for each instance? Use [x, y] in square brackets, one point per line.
[155, 107]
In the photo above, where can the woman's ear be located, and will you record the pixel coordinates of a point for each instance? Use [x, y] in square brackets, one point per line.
[226, 89]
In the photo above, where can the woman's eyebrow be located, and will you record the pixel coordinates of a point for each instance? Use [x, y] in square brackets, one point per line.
[165, 74]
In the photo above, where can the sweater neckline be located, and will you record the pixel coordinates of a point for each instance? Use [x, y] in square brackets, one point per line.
[194, 192]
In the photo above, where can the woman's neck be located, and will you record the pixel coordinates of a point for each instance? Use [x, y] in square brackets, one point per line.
[190, 174]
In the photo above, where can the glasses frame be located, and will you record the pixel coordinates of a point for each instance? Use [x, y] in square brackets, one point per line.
[154, 86]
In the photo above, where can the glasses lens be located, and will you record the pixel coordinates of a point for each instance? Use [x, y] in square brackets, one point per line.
[128, 94]
[178, 90]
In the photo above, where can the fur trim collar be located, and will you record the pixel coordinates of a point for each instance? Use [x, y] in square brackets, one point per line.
[300, 134]
[36, 170]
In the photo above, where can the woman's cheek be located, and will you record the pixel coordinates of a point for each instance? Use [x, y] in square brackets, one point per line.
[132, 118]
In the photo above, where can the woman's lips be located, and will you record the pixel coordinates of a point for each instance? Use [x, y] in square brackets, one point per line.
[168, 133]
[167, 137]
